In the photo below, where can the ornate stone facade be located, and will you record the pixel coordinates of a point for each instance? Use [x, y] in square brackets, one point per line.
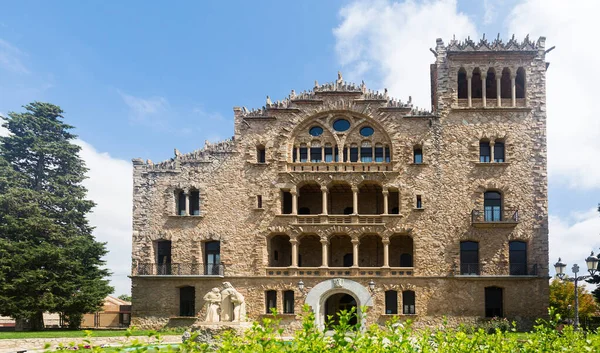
[429, 213]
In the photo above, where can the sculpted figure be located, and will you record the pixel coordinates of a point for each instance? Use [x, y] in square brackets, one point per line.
[239, 307]
[233, 304]
[213, 301]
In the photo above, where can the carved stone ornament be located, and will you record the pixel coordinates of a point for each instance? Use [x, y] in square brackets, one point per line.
[338, 282]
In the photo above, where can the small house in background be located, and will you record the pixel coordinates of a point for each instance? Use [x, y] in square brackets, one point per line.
[115, 313]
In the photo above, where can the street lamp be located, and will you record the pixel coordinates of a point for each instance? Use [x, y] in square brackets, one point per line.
[592, 267]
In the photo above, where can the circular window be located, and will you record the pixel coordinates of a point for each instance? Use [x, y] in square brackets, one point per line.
[315, 131]
[341, 125]
[367, 131]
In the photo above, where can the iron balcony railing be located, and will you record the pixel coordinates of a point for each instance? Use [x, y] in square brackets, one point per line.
[179, 269]
[495, 215]
[515, 269]
[469, 269]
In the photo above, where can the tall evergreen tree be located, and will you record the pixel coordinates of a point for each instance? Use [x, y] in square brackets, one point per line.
[49, 260]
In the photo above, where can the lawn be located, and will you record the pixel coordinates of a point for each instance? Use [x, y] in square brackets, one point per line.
[76, 333]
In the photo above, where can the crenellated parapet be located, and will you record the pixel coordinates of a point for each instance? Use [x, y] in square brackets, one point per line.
[497, 45]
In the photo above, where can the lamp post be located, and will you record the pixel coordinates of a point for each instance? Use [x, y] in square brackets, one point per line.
[592, 266]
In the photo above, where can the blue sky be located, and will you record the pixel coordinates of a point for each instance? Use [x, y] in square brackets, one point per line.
[139, 78]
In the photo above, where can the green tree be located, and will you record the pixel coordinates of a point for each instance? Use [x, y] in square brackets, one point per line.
[596, 279]
[125, 297]
[562, 295]
[49, 259]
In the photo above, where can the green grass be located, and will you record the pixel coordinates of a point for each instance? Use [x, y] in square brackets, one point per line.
[75, 334]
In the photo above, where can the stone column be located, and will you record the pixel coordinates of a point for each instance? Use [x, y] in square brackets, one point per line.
[492, 151]
[513, 90]
[383, 154]
[324, 201]
[355, 200]
[298, 154]
[499, 90]
[386, 193]
[294, 201]
[294, 243]
[483, 90]
[323, 153]
[469, 90]
[386, 252]
[355, 243]
[359, 148]
[187, 203]
[308, 150]
[324, 253]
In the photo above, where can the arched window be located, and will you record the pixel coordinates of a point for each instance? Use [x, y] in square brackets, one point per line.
[316, 154]
[260, 154]
[484, 151]
[520, 83]
[490, 84]
[417, 155]
[505, 85]
[379, 153]
[469, 258]
[391, 302]
[499, 152]
[408, 302]
[366, 152]
[493, 302]
[492, 206]
[517, 258]
[476, 88]
[462, 83]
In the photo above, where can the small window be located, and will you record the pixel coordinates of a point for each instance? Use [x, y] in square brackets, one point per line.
[517, 258]
[260, 154]
[484, 151]
[328, 153]
[493, 302]
[187, 300]
[520, 83]
[286, 202]
[354, 153]
[387, 154]
[469, 258]
[476, 86]
[295, 155]
[315, 131]
[419, 201]
[499, 152]
[408, 302]
[259, 201]
[391, 302]
[341, 125]
[303, 153]
[270, 301]
[288, 302]
[462, 83]
[418, 155]
[195, 203]
[366, 152]
[316, 154]
[378, 153]
[181, 201]
[367, 131]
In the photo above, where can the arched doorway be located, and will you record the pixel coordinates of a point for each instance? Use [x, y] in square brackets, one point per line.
[335, 304]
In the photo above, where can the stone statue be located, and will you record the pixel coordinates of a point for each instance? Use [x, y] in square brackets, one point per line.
[268, 101]
[340, 78]
[213, 301]
[233, 305]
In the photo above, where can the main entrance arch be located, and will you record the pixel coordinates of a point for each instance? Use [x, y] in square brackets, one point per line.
[330, 294]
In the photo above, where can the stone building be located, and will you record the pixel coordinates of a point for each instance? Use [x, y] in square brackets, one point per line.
[341, 196]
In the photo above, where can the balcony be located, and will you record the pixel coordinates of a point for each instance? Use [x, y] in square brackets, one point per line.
[339, 167]
[340, 271]
[339, 219]
[178, 269]
[495, 218]
[514, 270]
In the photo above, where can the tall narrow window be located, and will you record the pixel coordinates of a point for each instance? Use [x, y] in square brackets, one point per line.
[288, 302]
[418, 155]
[295, 154]
[354, 153]
[163, 257]
[260, 154]
[379, 153]
[286, 202]
[408, 302]
[462, 83]
[520, 83]
[195, 203]
[187, 301]
[469, 258]
[517, 257]
[316, 152]
[499, 152]
[336, 153]
[366, 152]
[303, 153]
[490, 84]
[505, 84]
[259, 201]
[181, 200]
[270, 301]
[387, 154]
[492, 206]
[212, 258]
[493, 302]
[476, 88]
[328, 153]
[391, 302]
[419, 201]
[484, 151]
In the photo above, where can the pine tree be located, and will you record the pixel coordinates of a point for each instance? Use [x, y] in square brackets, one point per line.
[49, 259]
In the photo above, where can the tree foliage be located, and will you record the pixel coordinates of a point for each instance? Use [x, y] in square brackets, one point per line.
[125, 297]
[562, 295]
[49, 259]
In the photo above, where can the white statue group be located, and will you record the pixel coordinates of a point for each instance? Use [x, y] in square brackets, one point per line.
[229, 301]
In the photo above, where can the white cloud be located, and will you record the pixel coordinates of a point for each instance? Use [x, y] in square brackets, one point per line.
[11, 58]
[573, 124]
[572, 238]
[489, 11]
[148, 111]
[109, 186]
[391, 41]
